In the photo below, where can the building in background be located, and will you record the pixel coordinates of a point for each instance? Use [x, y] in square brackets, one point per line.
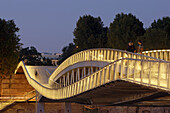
[54, 57]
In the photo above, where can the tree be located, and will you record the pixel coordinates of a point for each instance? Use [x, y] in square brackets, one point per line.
[162, 24]
[46, 62]
[89, 33]
[9, 47]
[30, 56]
[67, 51]
[155, 39]
[123, 29]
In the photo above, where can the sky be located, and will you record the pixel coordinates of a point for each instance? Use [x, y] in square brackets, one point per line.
[48, 25]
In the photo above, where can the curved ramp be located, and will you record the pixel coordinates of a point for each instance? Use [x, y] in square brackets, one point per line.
[77, 76]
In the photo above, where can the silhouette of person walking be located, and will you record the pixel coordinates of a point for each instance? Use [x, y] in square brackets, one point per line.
[131, 47]
[140, 47]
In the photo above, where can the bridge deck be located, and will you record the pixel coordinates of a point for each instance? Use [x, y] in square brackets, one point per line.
[122, 77]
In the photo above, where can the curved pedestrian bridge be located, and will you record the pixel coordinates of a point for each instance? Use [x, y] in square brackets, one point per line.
[103, 76]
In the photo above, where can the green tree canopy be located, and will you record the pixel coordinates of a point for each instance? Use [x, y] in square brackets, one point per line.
[157, 36]
[89, 33]
[31, 56]
[155, 39]
[9, 47]
[123, 29]
[67, 51]
[162, 24]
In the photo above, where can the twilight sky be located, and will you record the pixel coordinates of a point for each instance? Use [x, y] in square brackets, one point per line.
[48, 25]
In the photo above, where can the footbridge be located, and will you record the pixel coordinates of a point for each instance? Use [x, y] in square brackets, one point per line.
[104, 77]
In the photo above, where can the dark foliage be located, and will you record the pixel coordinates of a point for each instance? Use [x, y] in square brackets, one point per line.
[31, 56]
[162, 24]
[67, 51]
[124, 28]
[9, 47]
[90, 33]
[155, 39]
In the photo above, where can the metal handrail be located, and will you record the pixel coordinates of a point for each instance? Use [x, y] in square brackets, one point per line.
[105, 75]
[100, 54]
[160, 54]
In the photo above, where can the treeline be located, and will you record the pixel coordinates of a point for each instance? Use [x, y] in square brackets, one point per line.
[11, 51]
[9, 47]
[91, 33]
[31, 56]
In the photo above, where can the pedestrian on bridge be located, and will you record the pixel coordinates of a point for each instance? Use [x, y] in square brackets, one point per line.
[131, 47]
[140, 47]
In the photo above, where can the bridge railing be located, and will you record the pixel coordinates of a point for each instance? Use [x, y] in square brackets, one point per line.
[160, 54]
[151, 73]
[105, 55]
[146, 72]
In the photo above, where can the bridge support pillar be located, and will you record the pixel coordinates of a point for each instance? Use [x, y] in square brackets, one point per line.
[68, 108]
[40, 107]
